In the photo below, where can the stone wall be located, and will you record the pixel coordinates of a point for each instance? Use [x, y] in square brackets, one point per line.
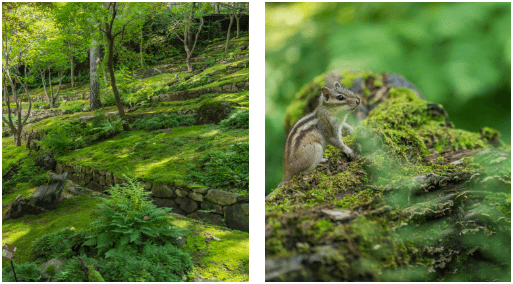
[213, 205]
[60, 98]
[192, 94]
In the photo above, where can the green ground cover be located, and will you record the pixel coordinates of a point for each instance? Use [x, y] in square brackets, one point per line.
[239, 76]
[11, 154]
[156, 156]
[73, 212]
[225, 260]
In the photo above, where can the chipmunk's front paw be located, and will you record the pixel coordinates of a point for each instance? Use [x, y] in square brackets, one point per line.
[346, 129]
[349, 153]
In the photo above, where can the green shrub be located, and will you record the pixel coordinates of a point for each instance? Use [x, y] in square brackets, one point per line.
[25, 272]
[65, 137]
[210, 62]
[74, 135]
[27, 172]
[229, 169]
[153, 264]
[50, 270]
[95, 276]
[61, 244]
[236, 119]
[72, 270]
[108, 98]
[114, 126]
[129, 218]
[164, 121]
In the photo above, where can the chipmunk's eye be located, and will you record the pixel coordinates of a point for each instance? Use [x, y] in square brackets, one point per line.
[341, 97]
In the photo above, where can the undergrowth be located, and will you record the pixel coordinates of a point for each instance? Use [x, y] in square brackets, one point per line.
[164, 121]
[223, 169]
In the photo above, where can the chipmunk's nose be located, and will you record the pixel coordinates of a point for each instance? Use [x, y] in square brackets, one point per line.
[358, 101]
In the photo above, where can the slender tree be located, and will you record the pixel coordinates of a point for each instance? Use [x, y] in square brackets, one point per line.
[20, 30]
[94, 83]
[133, 12]
[183, 29]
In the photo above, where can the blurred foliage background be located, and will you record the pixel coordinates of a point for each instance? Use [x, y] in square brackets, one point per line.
[456, 54]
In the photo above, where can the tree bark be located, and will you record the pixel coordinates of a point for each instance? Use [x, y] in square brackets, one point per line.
[94, 84]
[50, 99]
[110, 62]
[110, 67]
[141, 50]
[237, 18]
[70, 54]
[232, 15]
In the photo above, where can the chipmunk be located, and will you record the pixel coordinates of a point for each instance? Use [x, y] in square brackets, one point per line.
[307, 139]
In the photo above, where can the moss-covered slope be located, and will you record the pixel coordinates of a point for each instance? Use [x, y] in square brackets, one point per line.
[422, 201]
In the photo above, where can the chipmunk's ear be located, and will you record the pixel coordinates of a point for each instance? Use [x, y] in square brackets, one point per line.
[337, 85]
[325, 92]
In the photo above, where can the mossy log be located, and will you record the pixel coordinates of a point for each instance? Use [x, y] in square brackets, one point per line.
[423, 201]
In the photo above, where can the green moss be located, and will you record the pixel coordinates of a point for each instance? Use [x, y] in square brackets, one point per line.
[94, 276]
[226, 260]
[73, 212]
[399, 227]
[164, 158]
[50, 270]
[11, 154]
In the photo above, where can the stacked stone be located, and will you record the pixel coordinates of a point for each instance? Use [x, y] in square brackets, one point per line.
[218, 207]
[192, 94]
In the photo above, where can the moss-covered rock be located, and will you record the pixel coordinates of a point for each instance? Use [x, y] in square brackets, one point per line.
[415, 205]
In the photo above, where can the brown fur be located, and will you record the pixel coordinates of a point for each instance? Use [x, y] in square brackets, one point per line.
[308, 138]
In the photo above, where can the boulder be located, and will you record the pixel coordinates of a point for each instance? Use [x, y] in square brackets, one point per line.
[186, 204]
[196, 196]
[57, 263]
[44, 199]
[46, 161]
[207, 216]
[237, 217]
[214, 113]
[163, 191]
[221, 197]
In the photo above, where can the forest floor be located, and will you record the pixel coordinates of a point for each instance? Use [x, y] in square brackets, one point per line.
[151, 155]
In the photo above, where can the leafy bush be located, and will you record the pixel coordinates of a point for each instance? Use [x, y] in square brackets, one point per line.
[108, 99]
[74, 135]
[25, 272]
[27, 172]
[50, 270]
[210, 62]
[236, 119]
[223, 169]
[65, 137]
[114, 126]
[72, 270]
[154, 264]
[164, 121]
[129, 218]
[61, 244]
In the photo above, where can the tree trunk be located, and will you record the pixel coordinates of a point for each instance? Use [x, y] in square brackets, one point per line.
[70, 54]
[44, 83]
[113, 82]
[228, 33]
[94, 84]
[141, 50]
[50, 100]
[188, 61]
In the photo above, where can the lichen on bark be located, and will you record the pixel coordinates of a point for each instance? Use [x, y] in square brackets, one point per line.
[422, 201]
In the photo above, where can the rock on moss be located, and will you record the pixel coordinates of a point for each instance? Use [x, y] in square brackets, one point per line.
[221, 197]
[237, 216]
[58, 264]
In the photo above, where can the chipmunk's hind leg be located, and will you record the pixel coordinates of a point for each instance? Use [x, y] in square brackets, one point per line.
[307, 157]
